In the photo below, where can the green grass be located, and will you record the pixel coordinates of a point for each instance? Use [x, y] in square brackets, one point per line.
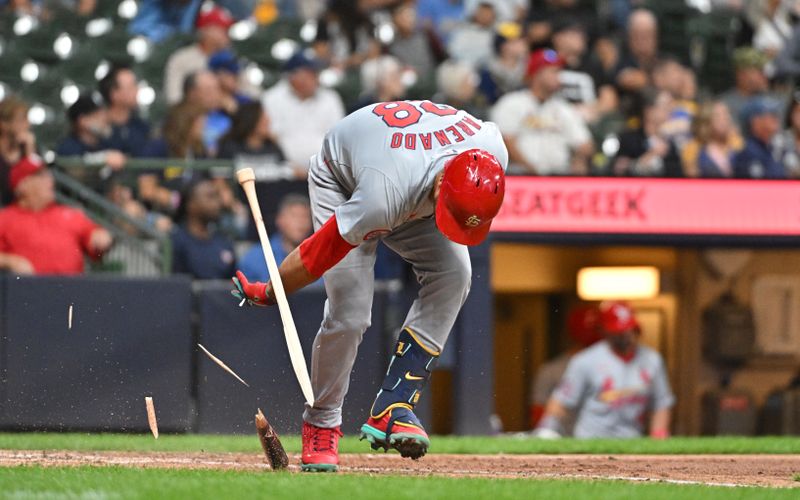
[440, 444]
[115, 482]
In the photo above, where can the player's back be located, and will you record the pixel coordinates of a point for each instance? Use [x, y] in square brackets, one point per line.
[404, 139]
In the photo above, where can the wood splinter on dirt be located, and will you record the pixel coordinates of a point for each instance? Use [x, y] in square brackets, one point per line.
[271, 443]
[151, 416]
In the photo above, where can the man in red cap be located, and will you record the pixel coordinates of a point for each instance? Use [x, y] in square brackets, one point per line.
[583, 331]
[426, 179]
[544, 133]
[612, 387]
[39, 236]
[212, 26]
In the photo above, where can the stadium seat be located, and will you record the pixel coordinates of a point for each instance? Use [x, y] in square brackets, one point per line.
[82, 65]
[38, 44]
[12, 61]
[712, 38]
[46, 89]
[113, 46]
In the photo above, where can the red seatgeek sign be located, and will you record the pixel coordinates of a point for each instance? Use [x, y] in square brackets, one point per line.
[650, 206]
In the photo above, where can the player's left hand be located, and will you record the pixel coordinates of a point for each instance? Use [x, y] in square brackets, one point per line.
[252, 294]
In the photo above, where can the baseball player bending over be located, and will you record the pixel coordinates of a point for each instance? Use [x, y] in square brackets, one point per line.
[612, 385]
[426, 179]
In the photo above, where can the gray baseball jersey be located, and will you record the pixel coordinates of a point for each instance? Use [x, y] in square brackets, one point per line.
[375, 172]
[612, 396]
[385, 157]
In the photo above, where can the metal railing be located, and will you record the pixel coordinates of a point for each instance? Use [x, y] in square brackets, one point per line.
[139, 249]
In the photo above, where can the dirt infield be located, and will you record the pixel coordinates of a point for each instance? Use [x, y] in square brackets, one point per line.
[721, 470]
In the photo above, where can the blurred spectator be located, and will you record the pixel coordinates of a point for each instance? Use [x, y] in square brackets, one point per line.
[505, 71]
[293, 223]
[197, 248]
[545, 16]
[583, 332]
[641, 52]
[250, 140]
[159, 19]
[301, 111]
[129, 133]
[46, 9]
[412, 45]
[226, 68]
[381, 81]
[203, 89]
[773, 27]
[182, 139]
[16, 141]
[89, 135]
[507, 11]
[583, 81]
[345, 34]
[645, 149]
[39, 236]
[787, 63]
[758, 159]
[670, 76]
[788, 142]
[212, 36]
[750, 81]
[471, 42]
[544, 133]
[715, 143]
[612, 386]
[442, 16]
[457, 85]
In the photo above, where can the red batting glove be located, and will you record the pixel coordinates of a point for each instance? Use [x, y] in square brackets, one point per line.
[253, 294]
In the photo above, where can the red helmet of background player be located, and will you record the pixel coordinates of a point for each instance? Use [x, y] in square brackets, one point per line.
[470, 196]
[617, 317]
[582, 325]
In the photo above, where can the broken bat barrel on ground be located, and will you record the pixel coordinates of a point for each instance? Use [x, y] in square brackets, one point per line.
[273, 449]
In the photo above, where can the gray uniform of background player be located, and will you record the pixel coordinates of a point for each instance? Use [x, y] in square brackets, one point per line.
[612, 396]
[378, 192]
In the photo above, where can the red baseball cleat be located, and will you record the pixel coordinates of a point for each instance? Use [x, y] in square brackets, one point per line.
[320, 449]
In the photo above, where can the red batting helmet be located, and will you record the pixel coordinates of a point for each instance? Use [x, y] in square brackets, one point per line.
[471, 193]
[617, 317]
[582, 325]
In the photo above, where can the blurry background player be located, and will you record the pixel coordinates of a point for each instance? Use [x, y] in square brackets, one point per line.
[583, 331]
[612, 386]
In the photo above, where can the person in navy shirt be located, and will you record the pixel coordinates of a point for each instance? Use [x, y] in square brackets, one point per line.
[129, 132]
[198, 249]
[758, 160]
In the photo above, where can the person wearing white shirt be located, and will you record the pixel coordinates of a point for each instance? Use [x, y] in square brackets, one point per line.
[301, 111]
[544, 133]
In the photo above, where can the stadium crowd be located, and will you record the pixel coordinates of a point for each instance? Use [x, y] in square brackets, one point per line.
[577, 87]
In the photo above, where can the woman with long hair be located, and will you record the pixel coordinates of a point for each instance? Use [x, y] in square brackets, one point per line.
[715, 141]
[16, 140]
[182, 139]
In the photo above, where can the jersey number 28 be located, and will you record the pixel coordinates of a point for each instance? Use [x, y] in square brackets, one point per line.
[401, 114]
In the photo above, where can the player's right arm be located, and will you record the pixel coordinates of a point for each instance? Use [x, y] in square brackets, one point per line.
[303, 266]
[369, 211]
